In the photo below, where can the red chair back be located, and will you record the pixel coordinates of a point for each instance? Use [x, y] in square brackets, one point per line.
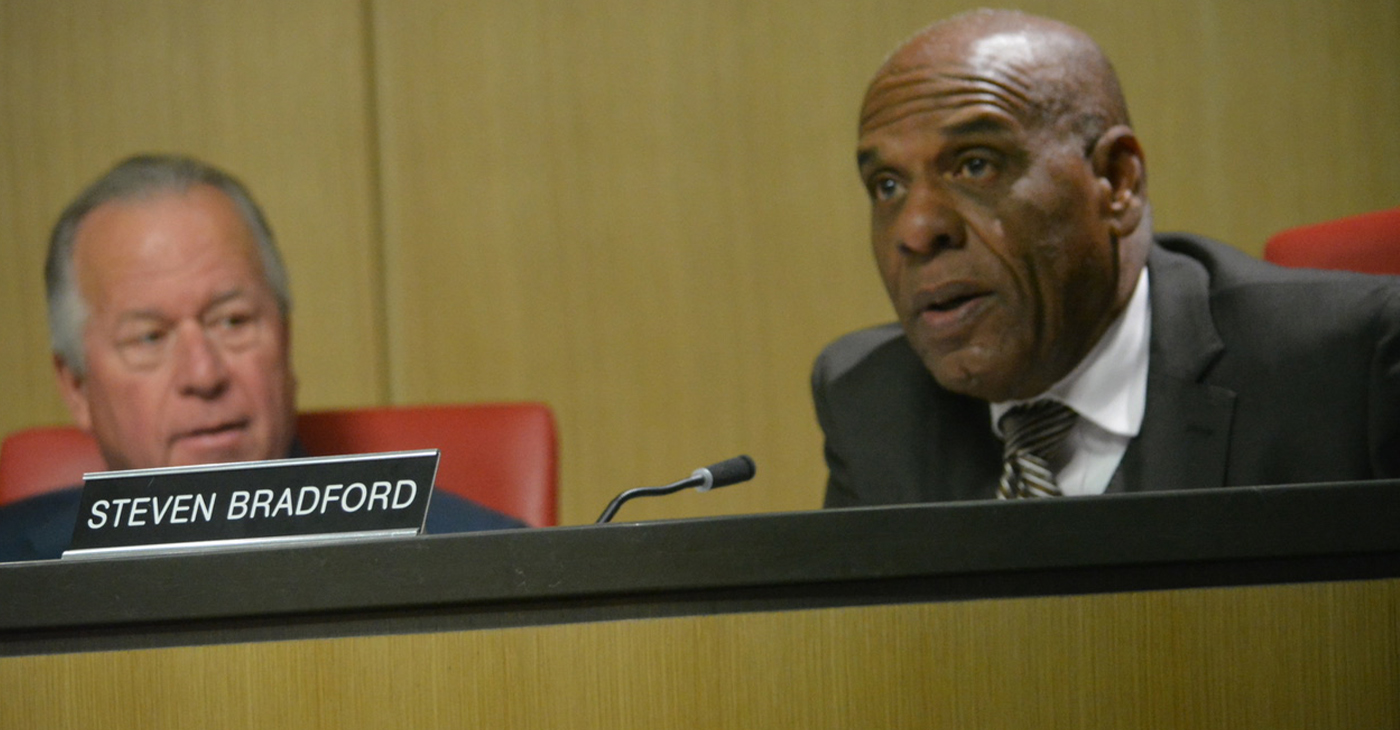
[1368, 243]
[504, 455]
[45, 458]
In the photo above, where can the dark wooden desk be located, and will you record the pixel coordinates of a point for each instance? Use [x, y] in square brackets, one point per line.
[1220, 608]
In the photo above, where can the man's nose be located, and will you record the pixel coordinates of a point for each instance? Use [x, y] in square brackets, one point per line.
[200, 366]
[928, 223]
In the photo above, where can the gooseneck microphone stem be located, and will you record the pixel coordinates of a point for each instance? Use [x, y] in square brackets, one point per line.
[647, 492]
[721, 474]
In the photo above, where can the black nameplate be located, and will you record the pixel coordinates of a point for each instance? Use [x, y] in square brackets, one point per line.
[257, 502]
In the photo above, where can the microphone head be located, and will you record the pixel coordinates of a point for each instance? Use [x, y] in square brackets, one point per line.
[730, 471]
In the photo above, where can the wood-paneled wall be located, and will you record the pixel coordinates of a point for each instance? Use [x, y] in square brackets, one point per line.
[272, 91]
[643, 213]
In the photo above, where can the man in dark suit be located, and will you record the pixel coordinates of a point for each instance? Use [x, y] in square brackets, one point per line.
[1048, 343]
[168, 315]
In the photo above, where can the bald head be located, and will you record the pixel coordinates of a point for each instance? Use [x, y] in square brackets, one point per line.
[1055, 73]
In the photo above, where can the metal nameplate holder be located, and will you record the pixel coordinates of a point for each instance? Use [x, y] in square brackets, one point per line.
[256, 503]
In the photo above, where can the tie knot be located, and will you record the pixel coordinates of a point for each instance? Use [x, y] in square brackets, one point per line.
[1037, 427]
[1033, 433]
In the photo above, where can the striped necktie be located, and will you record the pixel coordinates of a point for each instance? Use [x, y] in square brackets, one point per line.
[1033, 433]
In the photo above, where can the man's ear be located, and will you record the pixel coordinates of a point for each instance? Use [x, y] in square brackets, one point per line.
[73, 387]
[1122, 175]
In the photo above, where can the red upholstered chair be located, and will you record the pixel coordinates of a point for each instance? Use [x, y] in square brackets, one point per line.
[42, 459]
[502, 455]
[1369, 243]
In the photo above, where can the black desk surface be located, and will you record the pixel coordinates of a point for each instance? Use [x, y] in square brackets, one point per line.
[863, 556]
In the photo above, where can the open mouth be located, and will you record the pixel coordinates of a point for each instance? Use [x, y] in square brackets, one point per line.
[949, 296]
[236, 425]
[950, 306]
[952, 303]
[218, 433]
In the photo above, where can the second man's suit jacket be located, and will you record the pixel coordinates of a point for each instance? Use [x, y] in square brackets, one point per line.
[1256, 375]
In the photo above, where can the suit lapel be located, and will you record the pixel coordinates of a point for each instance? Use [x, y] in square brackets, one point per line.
[940, 449]
[1184, 443]
[960, 457]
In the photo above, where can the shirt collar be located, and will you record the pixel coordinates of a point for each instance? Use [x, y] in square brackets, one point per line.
[1109, 386]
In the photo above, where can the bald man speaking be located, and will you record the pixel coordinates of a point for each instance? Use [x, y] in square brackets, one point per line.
[1048, 343]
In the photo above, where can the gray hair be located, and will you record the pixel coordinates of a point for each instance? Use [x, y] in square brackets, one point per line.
[137, 178]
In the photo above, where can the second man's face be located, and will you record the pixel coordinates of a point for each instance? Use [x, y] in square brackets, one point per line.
[187, 352]
[986, 224]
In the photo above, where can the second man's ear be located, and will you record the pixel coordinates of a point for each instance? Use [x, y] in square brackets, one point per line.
[73, 388]
[1119, 165]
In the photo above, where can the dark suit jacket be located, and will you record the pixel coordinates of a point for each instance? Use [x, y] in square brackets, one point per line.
[1256, 375]
[39, 528]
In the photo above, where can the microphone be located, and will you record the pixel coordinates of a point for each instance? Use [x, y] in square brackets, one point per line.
[714, 476]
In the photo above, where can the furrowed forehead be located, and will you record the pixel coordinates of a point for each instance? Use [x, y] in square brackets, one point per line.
[897, 96]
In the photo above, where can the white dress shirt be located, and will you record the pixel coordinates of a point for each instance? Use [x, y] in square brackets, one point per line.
[1108, 389]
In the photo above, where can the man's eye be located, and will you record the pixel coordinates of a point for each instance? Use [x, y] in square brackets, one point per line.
[975, 167]
[144, 339]
[234, 330]
[232, 321]
[144, 348]
[884, 188]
